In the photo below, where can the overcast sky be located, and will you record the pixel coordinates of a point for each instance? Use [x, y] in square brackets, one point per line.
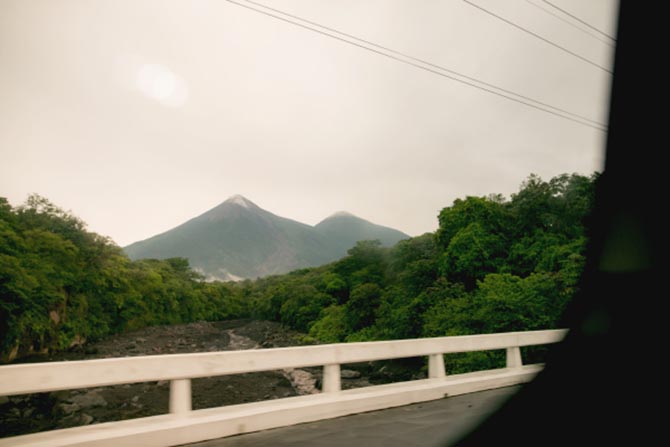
[137, 115]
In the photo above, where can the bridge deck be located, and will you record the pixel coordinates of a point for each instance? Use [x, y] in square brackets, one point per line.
[433, 423]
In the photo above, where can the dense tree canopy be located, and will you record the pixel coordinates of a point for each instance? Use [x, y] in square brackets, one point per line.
[61, 285]
[493, 265]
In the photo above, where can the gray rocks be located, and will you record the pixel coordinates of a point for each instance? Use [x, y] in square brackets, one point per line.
[68, 408]
[85, 419]
[349, 374]
[76, 420]
[90, 399]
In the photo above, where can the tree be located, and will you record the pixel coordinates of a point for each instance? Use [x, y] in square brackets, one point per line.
[336, 286]
[472, 253]
[359, 312]
[488, 212]
[61, 285]
[493, 265]
[507, 303]
[331, 326]
[413, 264]
[365, 263]
[303, 305]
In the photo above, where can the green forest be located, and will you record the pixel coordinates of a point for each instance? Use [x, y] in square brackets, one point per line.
[493, 265]
[61, 285]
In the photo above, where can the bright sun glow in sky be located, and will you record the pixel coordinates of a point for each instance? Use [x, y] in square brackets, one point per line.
[159, 83]
[138, 115]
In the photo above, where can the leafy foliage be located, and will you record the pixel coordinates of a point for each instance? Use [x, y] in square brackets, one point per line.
[61, 285]
[493, 265]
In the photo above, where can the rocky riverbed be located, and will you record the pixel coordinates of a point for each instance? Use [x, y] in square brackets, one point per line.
[69, 408]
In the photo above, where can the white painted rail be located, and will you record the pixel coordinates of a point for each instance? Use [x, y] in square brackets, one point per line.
[183, 425]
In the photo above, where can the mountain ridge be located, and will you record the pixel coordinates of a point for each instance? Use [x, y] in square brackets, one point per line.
[237, 239]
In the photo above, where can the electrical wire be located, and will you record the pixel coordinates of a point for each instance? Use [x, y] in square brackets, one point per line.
[539, 106]
[579, 20]
[572, 24]
[426, 63]
[537, 36]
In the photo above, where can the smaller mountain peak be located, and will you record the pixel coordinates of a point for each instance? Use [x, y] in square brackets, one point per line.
[240, 200]
[342, 214]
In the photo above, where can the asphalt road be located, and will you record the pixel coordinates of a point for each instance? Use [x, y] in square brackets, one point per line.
[435, 423]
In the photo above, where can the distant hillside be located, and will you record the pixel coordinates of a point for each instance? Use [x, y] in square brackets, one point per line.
[343, 230]
[237, 239]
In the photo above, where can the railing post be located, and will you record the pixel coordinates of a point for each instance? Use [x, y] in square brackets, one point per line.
[514, 357]
[331, 378]
[180, 396]
[436, 366]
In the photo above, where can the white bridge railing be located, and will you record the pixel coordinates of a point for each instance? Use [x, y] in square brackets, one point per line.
[182, 425]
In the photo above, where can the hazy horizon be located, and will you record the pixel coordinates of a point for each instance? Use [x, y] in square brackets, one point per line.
[140, 115]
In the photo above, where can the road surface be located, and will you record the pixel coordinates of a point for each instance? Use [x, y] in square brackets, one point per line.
[434, 423]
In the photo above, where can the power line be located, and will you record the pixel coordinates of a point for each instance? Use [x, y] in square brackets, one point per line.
[537, 36]
[563, 19]
[579, 20]
[541, 106]
[598, 125]
[425, 62]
